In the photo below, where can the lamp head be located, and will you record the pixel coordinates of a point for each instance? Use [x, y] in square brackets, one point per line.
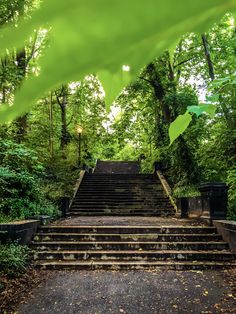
[79, 129]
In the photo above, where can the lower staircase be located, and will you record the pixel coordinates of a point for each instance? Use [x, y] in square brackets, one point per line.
[131, 247]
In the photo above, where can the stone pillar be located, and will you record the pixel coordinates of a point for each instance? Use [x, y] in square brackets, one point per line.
[183, 207]
[63, 204]
[214, 200]
[157, 166]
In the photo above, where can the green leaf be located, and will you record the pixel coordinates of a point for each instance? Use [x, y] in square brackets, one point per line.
[179, 126]
[219, 82]
[213, 98]
[114, 83]
[90, 36]
[202, 108]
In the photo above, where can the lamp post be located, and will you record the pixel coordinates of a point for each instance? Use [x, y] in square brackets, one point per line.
[79, 131]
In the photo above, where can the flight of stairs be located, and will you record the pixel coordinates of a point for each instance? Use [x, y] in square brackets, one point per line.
[103, 242]
[131, 247]
[121, 194]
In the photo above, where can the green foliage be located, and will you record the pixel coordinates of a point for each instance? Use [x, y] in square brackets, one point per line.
[186, 191]
[179, 126]
[182, 122]
[207, 108]
[13, 259]
[5, 218]
[19, 158]
[231, 181]
[63, 43]
[61, 176]
[96, 40]
[114, 83]
[20, 191]
[127, 153]
[147, 164]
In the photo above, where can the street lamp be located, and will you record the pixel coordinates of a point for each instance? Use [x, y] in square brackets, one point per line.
[79, 131]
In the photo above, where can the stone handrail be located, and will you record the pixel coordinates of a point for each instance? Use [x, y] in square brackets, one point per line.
[77, 185]
[166, 188]
[95, 165]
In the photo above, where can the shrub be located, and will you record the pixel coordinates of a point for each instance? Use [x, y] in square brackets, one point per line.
[20, 158]
[231, 181]
[186, 191]
[21, 176]
[13, 259]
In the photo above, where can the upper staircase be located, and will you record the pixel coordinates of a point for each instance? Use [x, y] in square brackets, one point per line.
[121, 194]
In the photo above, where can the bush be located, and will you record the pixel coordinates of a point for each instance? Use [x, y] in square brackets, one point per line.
[186, 191]
[21, 176]
[19, 158]
[13, 259]
[231, 181]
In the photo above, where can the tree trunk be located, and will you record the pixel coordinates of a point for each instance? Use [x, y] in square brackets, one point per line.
[159, 91]
[208, 57]
[21, 122]
[51, 147]
[65, 135]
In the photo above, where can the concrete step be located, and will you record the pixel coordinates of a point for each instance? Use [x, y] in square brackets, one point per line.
[124, 211]
[122, 181]
[128, 229]
[110, 186]
[120, 191]
[119, 265]
[135, 255]
[126, 183]
[126, 237]
[118, 197]
[107, 195]
[121, 210]
[128, 245]
[123, 203]
[116, 201]
[145, 213]
[121, 207]
[121, 175]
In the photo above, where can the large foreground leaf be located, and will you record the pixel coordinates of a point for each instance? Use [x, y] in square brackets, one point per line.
[90, 36]
[203, 108]
[179, 126]
[181, 123]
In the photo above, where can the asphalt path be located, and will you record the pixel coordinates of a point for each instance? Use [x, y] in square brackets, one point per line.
[132, 292]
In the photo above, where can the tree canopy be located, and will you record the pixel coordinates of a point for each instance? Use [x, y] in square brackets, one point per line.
[143, 80]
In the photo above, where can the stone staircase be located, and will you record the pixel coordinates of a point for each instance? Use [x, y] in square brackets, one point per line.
[121, 194]
[126, 221]
[131, 247]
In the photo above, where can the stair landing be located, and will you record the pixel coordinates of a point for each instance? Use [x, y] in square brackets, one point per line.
[127, 221]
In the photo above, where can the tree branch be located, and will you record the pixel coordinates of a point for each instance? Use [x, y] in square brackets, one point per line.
[143, 78]
[33, 50]
[58, 99]
[185, 61]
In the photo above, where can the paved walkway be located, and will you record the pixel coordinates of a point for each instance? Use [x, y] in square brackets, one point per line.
[132, 292]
